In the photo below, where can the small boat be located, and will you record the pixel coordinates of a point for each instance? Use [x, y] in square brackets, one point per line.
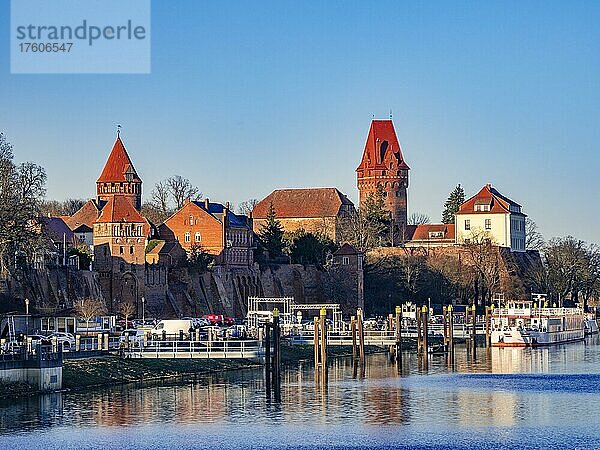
[436, 349]
[523, 324]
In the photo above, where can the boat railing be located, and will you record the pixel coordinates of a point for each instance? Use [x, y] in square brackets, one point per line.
[533, 312]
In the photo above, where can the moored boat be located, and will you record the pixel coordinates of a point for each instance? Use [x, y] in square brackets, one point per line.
[523, 324]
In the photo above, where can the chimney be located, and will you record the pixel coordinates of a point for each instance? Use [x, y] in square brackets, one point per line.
[186, 201]
[206, 202]
[488, 185]
[226, 205]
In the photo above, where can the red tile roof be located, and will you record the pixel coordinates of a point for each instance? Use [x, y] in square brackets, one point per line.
[488, 196]
[302, 203]
[117, 165]
[346, 249]
[375, 156]
[120, 209]
[87, 215]
[421, 232]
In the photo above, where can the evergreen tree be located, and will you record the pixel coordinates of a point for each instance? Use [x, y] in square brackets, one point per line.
[455, 199]
[271, 233]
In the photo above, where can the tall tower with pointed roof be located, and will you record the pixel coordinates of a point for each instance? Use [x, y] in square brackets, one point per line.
[383, 165]
[119, 177]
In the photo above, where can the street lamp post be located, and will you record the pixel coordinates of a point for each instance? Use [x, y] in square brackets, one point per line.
[26, 316]
[143, 311]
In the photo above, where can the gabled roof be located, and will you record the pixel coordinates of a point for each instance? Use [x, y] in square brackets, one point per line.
[56, 229]
[120, 209]
[422, 232]
[499, 204]
[216, 210]
[309, 203]
[382, 147]
[346, 249]
[117, 165]
[87, 215]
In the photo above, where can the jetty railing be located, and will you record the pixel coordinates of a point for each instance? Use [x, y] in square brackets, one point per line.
[233, 349]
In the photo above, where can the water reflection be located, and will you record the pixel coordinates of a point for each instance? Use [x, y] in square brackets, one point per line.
[551, 387]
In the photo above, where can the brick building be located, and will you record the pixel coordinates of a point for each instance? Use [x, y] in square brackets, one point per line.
[213, 228]
[315, 210]
[383, 166]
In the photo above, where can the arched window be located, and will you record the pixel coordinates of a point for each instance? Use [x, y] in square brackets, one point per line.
[187, 236]
[191, 220]
[382, 149]
[197, 236]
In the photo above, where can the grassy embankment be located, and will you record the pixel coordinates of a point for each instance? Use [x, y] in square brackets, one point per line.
[89, 373]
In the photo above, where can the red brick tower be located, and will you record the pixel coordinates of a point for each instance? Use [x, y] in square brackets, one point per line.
[119, 177]
[383, 165]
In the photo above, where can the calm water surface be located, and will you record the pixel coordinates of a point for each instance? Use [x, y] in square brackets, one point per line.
[505, 398]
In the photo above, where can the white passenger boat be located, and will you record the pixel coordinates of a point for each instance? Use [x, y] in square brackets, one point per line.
[524, 324]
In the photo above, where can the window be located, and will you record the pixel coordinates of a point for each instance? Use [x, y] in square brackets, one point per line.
[482, 207]
[187, 237]
[467, 241]
[191, 220]
[488, 224]
[121, 250]
[398, 193]
[467, 224]
[131, 250]
[197, 236]
[345, 260]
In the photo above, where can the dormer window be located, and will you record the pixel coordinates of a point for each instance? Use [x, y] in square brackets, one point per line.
[481, 207]
[436, 234]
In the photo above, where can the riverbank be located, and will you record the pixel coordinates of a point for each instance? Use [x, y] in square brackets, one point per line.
[99, 372]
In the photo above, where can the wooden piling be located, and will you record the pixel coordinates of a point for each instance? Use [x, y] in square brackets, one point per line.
[267, 344]
[474, 331]
[276, 357]
[419, 334]
[398, 333]
[425, 320]
[316, 342]
[487, 326]
[323, 326]
[361, 335]
[450, 320]
[353, 332]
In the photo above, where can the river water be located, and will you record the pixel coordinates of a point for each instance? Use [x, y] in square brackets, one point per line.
[505, 398]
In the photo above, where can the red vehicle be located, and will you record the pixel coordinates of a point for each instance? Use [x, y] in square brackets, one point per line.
[215, 319]
[228, 321]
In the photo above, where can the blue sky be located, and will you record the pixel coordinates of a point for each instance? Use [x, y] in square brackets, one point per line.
[248, 97]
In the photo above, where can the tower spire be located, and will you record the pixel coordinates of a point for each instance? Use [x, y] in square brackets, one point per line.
[118, 131]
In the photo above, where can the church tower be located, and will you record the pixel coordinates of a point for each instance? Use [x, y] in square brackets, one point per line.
[119, 177]
[383, 165]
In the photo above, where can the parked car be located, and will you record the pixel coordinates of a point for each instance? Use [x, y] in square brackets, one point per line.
[66, 339]
[121, 325]
[215, 319]
[39, 339]
[134, 336]
[237, 332]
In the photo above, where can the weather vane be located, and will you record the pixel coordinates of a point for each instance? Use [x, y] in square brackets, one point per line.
[118, 130]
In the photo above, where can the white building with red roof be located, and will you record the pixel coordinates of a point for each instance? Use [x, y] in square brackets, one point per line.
[491, 215]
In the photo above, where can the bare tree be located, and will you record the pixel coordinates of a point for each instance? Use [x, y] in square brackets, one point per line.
[485, 258]
[160, 196]
[246, 207]
[180, 189]
[126, 309]
[88, 308]
[418, 219]
[533, 238]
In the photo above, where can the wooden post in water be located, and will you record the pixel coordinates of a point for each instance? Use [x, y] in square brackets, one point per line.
[276, 358]
[353, 331]
[419, 334]
[445, 327]
[267, 344]
[323, 326]
[316, 346]
[361, 336]
[399, 333]
[425, 320]
[474, 331]
[450, 320]
[487, 326]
